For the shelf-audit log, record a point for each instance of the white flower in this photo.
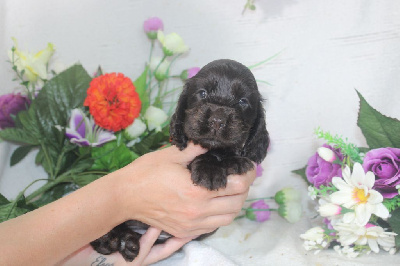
(370, 234)
(346, 250)
(312, 193)
(356, 193)
(326, 154)
(172, 43)
(33, 65)
(155, 117)
(314, 239)
(314, 234)
(135, 129)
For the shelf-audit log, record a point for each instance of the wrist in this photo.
(124, 196)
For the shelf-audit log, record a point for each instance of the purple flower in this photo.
(10, 105)
(84, 132)
(151, 26)
(259, 216)
(320, 172)
(259, 170)
(189, 73)
(384, 163)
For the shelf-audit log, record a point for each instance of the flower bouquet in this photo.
(356, 188)
(86, 126)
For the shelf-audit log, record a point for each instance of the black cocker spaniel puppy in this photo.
(220, 109)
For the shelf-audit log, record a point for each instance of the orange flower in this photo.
(113, 101)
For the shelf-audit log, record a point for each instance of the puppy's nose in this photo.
(217, 123)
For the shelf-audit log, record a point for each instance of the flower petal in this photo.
(340, 184)
(375, 197)
(373, 245)
(381, 211)
(358, 175)
(362, 214)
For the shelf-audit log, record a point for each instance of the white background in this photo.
(327, 50)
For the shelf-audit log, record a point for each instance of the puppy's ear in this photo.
(257, 144)
(176, 131)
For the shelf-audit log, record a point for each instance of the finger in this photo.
(238, 184)
(146, 243)
(226, 204)
(162, 251)
(188, 154)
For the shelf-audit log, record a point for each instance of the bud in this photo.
(155, 117)
(135, 129)
(172, 43)
(326, 154)
(10, 105)
(291, 211)
(151, 27)
(161, 68)
(189, 73)
(259, 216)
(287, 194)
(329, 209)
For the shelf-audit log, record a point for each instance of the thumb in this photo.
(189, 153)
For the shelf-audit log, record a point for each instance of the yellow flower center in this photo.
(359, 195)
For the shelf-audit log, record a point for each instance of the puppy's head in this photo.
(221, 108)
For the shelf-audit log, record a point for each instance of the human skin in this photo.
(155, 189)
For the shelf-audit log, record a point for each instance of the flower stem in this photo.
(264, 61)
(251, 209)
(260, 198)
(20, 195)
(49, 185)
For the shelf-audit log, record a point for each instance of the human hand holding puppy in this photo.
(168, 200)
(155, 189)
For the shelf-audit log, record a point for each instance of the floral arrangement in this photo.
(85, 126)
(356, 189)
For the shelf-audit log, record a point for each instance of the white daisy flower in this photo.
(356, 193)
(370, 234)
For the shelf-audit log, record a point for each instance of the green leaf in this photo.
(51, 108)
(152, 142)
(10, 210)
(111, 156)
(19, 154)
(83, 180)
(3, 200)
(302, 173)
(53, 194)
(379, 130)
(141, 88)
(18, 135)
(394, 222)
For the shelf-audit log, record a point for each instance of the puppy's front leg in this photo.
(210, 170)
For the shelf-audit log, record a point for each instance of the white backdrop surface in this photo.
(327, 50)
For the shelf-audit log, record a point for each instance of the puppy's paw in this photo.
(237, 165)
(120, 238)
(130, 246)
(207, 171)
(107, 244)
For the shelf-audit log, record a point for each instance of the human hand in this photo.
(148, 254)
(157, 189)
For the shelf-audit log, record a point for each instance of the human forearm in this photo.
(48, 234)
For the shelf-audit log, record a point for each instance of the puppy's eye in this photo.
(243, 102)
(202, 94)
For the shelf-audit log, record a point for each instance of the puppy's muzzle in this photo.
(217, 120)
